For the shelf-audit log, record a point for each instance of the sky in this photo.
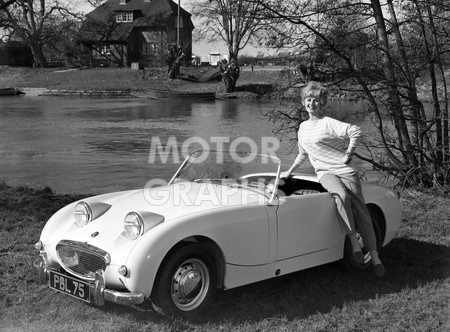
(199, 48)
(206, 48)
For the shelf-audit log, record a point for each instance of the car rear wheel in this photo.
(349, 261)
(186, 282)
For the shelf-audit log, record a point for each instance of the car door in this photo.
(306, 224)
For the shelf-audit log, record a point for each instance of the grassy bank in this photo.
(414, 296)
(257, 82)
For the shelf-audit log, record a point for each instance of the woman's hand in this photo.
(285, 174)
(347, 158)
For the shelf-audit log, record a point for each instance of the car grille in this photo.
(82, 259)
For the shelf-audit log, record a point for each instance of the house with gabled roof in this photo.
(125, 32)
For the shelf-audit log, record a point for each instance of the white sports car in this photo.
(224, 220)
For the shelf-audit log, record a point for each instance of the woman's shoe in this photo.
(379, 269)
(358, 257)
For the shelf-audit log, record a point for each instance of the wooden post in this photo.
(178, 24)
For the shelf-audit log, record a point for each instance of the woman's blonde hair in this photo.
(315, 90)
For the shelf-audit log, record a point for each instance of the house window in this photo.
(124, 17)
(105, 50)
(149, 48)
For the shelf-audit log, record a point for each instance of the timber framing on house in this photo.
(122, 32)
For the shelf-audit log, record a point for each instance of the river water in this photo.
(98, 145)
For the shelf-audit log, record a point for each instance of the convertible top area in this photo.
(290, 185)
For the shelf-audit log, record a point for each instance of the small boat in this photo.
(171, 94)
(10, 92)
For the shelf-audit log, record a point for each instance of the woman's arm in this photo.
(349, 131)
(297, 162)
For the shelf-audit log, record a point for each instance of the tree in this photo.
(173, 59)
(32, 22)
(61, 47)
(398, 49)
(230, 73)
(6, 3)
(236, 22)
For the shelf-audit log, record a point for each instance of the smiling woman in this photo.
(330, 145)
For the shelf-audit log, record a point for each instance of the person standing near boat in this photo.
(324, 140)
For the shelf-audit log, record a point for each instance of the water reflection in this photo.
(15, 111)
(97, 145)
(230, 109)
(103, 144)
(127, 109)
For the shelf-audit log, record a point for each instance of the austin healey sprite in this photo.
(224, 220)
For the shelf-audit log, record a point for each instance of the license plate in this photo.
(70, 286)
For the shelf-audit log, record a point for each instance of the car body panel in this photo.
(306, 224)
(240, 275)
(242, 244)
(389, 204)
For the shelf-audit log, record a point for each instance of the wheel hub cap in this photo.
(190, 284)
(187, 282)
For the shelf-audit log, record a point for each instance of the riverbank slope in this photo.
(255, 83)
(262, 82)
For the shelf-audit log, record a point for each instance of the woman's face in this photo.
(312, 105)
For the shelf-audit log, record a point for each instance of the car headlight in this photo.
(83, 214)
(133, 225)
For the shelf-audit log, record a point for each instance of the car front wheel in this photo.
(186, 282)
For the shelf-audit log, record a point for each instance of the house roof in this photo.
(100, 24)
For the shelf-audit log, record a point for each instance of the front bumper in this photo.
(100, 294)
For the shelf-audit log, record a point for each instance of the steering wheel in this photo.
(255, 179)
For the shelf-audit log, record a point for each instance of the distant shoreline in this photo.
(122, 81)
